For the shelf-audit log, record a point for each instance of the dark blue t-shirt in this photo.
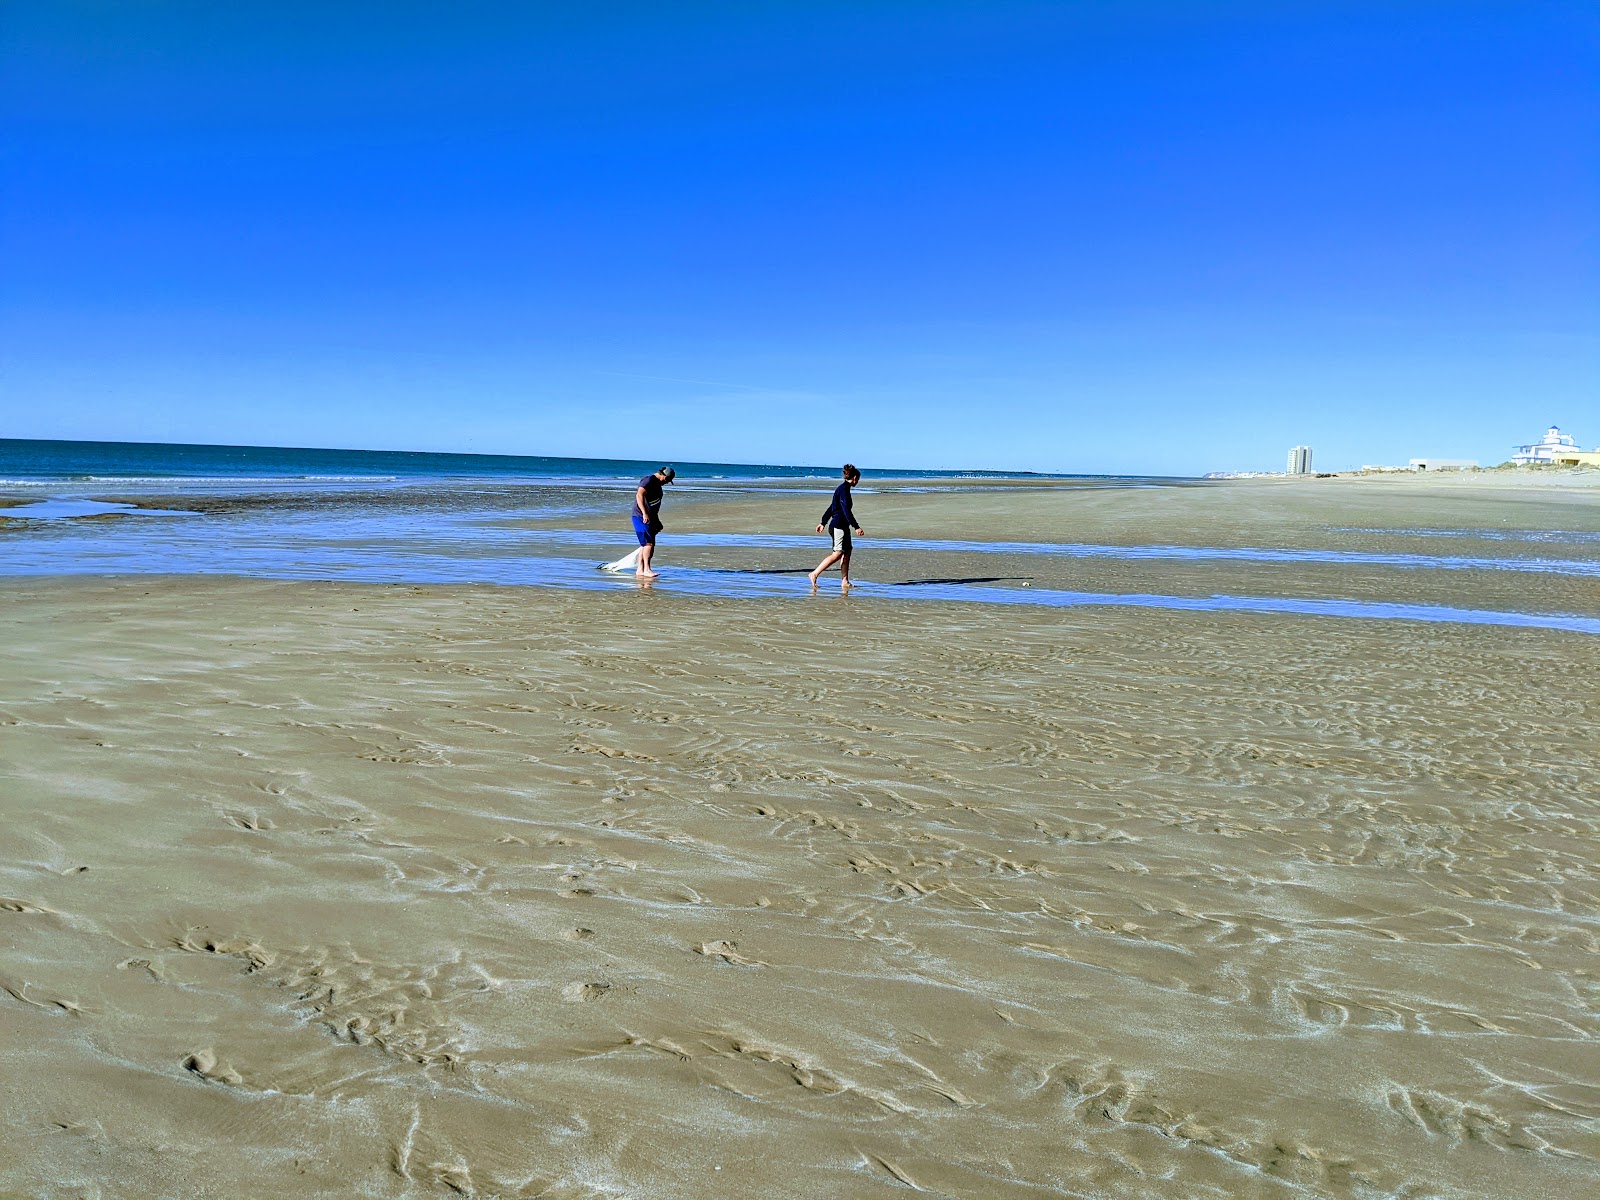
(652, 496)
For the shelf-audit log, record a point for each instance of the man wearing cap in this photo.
(647, 517)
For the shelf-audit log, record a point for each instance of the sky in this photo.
(1122, 237)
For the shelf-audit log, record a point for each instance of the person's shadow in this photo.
(760, 570)
(966, 579)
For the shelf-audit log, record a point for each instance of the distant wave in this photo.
(241, 478)
(181, 480)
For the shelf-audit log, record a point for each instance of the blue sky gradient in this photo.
(1109, 237)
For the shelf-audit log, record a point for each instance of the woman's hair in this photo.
(850, 471)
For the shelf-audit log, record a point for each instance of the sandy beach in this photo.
(330, 889)
(436, 765)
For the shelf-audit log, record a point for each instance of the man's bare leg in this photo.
(645, 554)
(844, 572)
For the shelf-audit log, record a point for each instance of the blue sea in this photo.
(44, 463)
(377, 516)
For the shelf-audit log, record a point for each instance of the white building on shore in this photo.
(1554, 447)
(1444, 464)
(1300, 460)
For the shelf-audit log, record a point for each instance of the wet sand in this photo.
(1500, 519)
(328, 890)
(1277, 512)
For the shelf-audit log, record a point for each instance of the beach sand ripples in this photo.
(397, 891)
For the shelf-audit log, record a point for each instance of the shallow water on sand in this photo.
(354, 544)
(63, 508)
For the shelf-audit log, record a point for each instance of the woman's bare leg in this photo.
(822, 566)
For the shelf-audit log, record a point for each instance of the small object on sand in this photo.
(204, 1063)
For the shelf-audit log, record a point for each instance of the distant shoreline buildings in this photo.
(1443, 464)
(1555, 449)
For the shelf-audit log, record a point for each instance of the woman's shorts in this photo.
(841, 540)
(642, 531)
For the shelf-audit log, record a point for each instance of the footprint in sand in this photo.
(248, 820)
(576, 993)
(727, 953)
(7, 904)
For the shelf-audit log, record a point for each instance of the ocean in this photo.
(33, 463)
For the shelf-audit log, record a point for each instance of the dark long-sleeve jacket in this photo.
(839, 514)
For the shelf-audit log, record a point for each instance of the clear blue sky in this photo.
(1124, 236)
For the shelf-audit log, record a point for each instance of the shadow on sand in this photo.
(968, 579)
(757, 570)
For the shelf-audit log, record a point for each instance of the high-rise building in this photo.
(1300, 460)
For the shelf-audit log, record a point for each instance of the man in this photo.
(839, 518)
(647, 517)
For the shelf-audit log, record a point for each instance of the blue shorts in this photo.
(642, 531)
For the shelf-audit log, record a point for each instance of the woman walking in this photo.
(840, 519)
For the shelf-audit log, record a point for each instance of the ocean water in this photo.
(29, 463)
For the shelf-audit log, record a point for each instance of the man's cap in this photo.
(667, 473)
